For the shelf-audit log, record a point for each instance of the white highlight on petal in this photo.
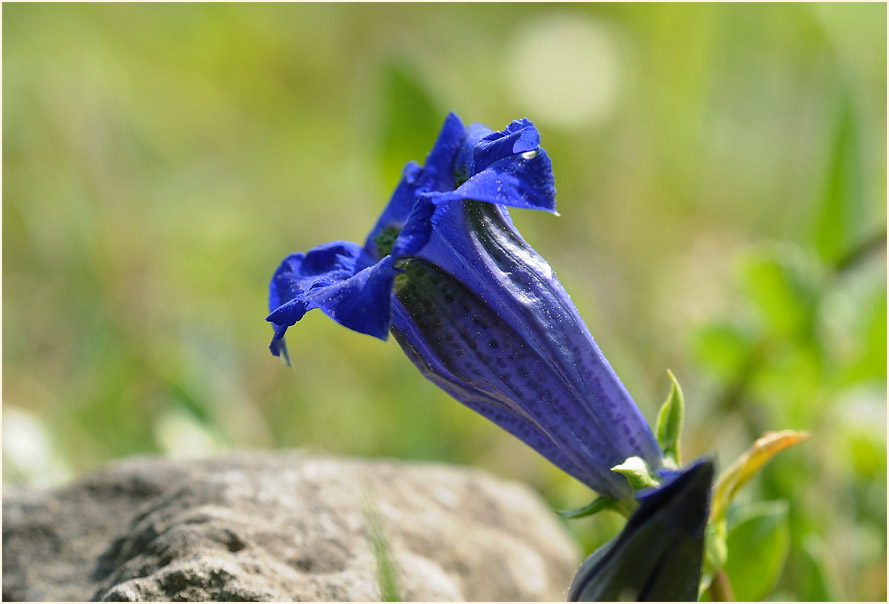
(565, 69)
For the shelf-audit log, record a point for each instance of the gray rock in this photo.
(284, 527)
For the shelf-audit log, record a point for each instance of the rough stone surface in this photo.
(283, 527)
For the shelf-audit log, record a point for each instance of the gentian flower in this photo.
(658, 556)
(475, 308)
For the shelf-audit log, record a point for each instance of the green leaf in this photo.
(758, 545)
(843, 204)
(784, 285)
(868, 361)
(409, 118)
(816, 583)
(724, 347)
(669, 421)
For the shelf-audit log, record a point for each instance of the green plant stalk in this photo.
(387, 575)
(721, 588)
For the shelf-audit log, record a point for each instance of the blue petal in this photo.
(292, 291)
(296, 274)
(522, 181)
(515, 181)
(278, 346)
(330, 260)
(418, 228)
(393, 217)
(436, 175)
(464, 165)
(282, 287)
(362, 302)
(439, 166)
(287, 314)
(519, 137)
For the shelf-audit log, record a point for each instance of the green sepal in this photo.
(669, 422)
(637, 472)
(598, 504)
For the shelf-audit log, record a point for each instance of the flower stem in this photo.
(721, 588)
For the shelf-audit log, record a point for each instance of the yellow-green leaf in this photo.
(748, 465)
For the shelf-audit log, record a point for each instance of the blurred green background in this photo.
(721, 175)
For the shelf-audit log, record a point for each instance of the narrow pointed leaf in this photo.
(844, 199)
(669, 421)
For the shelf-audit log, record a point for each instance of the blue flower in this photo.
(475, 308)
(659, 554)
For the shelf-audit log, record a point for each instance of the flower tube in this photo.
(474, 307)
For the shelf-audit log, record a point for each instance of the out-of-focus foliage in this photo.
(757, 546)
(721, 179)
